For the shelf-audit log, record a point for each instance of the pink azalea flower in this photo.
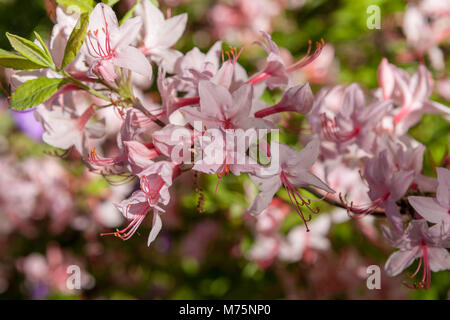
(275, 74)
(135, 209)
(292, 172)
(71, 125)
(265, 250)
(437, 209)
(109, 45)
(174, 142)
(224, 151)
(300, 243)
(159, 34)
(354, 123)
(410, 93)
(139, 155)
(270, 219)
(155, 182)
(418, 241)
(221, 109)
(387, 184)
(195, 66)
(425, 26)
(407, 154)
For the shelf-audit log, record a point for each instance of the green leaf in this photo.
(30, 50)
(34, 92)
(76, 40)
(110, 2)
(80, 6)
(14, 61)
(43, 45)
(130, 13)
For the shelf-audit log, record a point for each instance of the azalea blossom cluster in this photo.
(88, 85)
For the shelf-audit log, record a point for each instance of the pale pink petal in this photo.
(400, 260)
(156, 227)
(306, 157)
(268, 186)
(173, 29)
(303, 178)
(167, 58)
(133, 59)
(215, 100)
(386, 78)
(401, 181)
(443, 190)
(394, 216)
(429, 208)
(100, 16)
(127, 33)
(439, 259)
(242, 101)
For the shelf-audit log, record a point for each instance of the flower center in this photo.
(95, 45)
(152, 190)
(332, 132)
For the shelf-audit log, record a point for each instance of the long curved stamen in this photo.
(95, 160)
(122, 234)
(132, 226)
(103, 50)
(307, 59)
(303, 62)
(233, 55)
(360, 211)
(425, 282)
(220, 175)
(299, 201)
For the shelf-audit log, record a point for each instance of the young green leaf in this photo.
(16, 62)
(30, 50)
(43, 45)
(80, 6)
(34, 92)
(76, 40)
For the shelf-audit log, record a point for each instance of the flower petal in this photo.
(429, 208)
(400, 260)
(439, 259)
(156, 228)
(133, 59)
(443, 190)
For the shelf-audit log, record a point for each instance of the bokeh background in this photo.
(52, 210)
